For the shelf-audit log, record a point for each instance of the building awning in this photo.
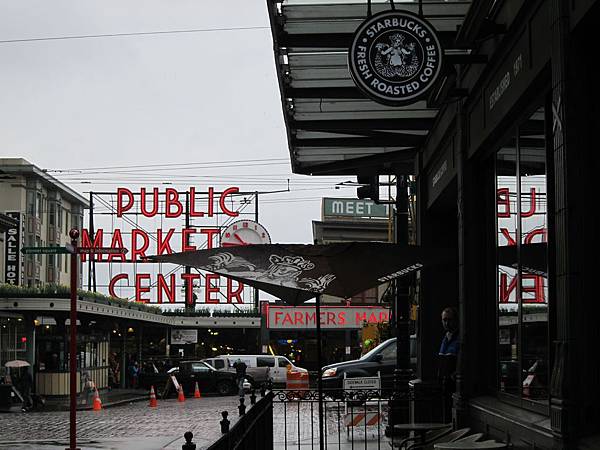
(298, 272)
(332, 128)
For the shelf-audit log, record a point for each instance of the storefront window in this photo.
(522, 294)
(533, 257)
(508, 304)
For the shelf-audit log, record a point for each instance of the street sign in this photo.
(362, 383)
(47, 250)
(105, 250)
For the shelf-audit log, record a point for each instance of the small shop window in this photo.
(66, 221)
(52, 213)
(522, 264)
(219, 364)
(38, 205)
(31, 203)
(197, 367)
(265, 361)
(283, 362)
(389, 352)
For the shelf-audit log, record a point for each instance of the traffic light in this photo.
(370, 188)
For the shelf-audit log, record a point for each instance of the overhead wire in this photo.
(184, 165)
(130, 34)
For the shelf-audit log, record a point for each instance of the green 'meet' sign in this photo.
(349, 207)
(46, 250)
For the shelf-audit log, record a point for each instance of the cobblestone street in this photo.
(129, 426)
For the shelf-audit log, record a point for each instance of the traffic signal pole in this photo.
(74, 234)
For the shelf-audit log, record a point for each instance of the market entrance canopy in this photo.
(298, 272)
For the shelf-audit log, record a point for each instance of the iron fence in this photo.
(353, 419)
(253, 430)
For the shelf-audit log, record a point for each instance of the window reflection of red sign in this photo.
(503, 201)
(532, 285)
(532, 288)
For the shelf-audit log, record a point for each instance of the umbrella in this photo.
(298, 272)
(17, 363)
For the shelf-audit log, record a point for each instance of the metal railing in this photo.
(253, 430)
(353, 419)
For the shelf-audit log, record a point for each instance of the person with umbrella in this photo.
(25, 386)
(22, 382)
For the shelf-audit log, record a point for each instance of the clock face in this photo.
(244, 232)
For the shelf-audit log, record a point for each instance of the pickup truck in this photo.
(381, 359)
(256, 376)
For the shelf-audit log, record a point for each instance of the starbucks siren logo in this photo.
(395, 57)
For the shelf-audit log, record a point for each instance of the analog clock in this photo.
(244, 232)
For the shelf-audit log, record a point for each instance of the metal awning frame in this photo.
(332, 128)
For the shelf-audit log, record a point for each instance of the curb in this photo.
(115, 403)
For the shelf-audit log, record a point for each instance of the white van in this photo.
(277, 365)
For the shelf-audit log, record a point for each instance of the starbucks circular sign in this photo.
(395, 57)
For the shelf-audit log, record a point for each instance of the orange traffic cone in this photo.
(181, 397)
(197, 391)
(97, 402)
(153, 403)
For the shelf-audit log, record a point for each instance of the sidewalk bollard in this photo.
(224, 423)
(242, 407)
(262, 391)
(252, 397)
(189, 445)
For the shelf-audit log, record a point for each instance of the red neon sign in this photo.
(140, 243)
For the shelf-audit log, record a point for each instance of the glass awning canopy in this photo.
(332, 128)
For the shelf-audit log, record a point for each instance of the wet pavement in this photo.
(132, 426)
(135, 426)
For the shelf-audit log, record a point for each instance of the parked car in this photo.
(256, 376)
(187, 374)
(277, 365)
(381, 359)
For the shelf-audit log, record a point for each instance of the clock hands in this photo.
(239, 239)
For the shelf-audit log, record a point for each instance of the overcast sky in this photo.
(190, 97)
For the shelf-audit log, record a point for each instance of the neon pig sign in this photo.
(168, 204)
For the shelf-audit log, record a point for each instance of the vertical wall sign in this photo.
(12, 258)
(395, 57)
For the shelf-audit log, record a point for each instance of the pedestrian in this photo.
(25, 385)
(112, 370)
(89, 387)
(240, 370)
(448, 355)
(134, 375)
